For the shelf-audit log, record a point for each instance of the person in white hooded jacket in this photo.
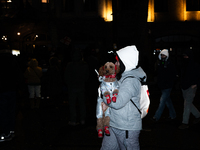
(125, 119)
(166, 76)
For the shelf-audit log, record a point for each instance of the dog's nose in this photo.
(107, 71)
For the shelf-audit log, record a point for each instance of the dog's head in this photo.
(109, 69)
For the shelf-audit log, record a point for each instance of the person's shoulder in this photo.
(129, 79)
(83, 62)
(39, 67)
(130, 83)
(28, 68)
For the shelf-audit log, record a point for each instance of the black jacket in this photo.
(190, 72)
(166, 74)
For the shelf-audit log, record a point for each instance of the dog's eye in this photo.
(111, 66)
(105, 67)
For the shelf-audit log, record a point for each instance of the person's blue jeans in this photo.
(165, 100)
(7, 111)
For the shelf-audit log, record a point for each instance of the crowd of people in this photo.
(38, 80)
(79, 79)
(189, 75)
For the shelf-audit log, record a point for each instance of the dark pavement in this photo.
(48, 129)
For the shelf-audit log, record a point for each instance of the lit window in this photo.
(45, 1)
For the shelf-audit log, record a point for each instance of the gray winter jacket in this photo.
(123, 114)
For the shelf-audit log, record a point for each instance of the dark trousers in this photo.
(7, 111)
(74, 97)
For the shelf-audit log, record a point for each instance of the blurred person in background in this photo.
(190, 77)
(33, 75)
(166, 76)
(76, 75)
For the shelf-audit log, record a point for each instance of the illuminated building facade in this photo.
(151, 24)
(174, 24)
(173, 10)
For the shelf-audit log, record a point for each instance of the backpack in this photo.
(144, 98)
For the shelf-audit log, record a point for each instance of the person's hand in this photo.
(104, 106)
(193, 86)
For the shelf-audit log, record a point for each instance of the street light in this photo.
(4, 38)
(18, 33)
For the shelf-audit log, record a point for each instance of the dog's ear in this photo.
(101, 71)
(117, 69)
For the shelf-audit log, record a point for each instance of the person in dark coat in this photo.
(190, 77)
(166, 75)
(11, 79)
(76, 75)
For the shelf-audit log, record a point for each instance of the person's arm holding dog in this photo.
(128, 89)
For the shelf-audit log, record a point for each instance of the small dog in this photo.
(109, 88)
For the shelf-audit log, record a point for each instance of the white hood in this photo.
(129, 56)
(164, 52)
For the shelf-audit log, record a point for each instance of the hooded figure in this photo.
(166, 75)
(165, 70)
(125, 119)
(164, 52)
